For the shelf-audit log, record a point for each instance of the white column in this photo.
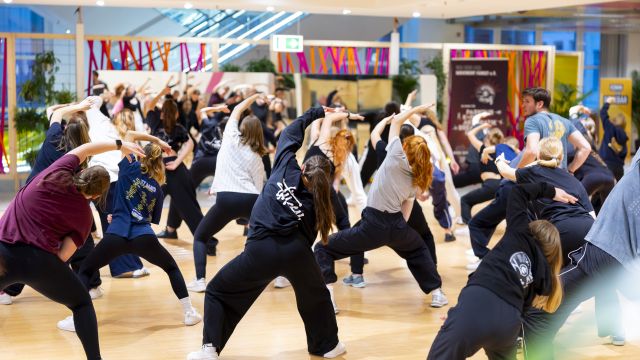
(80, 85)
(394, 54)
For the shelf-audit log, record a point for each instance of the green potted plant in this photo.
(565, 96)
(260, 65)
(230, 68)
(407, 79)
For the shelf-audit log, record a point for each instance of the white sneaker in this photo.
(438, 299)
(281, 282)
(192, 317)
(459, 220)
(473, 266)
(5, 299)
(469, 252)
(67, 324)
(207, 352)
(337, 351)
(197, 285)
(140, 273)
(96, 293)
(462, 231)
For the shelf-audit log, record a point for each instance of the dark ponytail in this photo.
(317, 172)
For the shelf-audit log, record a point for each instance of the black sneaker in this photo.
(449, 237)
(211, 246)
(166, 234)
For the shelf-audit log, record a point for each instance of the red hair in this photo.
(341, 145)
(419, 157)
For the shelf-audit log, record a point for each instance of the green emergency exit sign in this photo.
(287, 43)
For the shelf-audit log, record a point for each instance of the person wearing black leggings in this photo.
(521, 270)
(240, 160)
(295, 204)
(179, 183)
(203, 166)
(138, 202)
(405, 171)
(44, 225)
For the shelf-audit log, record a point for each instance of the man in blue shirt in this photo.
(541, 123)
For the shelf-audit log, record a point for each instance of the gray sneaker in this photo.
(357, 281)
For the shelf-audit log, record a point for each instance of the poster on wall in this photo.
(621, 91)
(476, 86)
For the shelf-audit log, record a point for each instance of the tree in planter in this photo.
(407, 79)
(40, 87)
(564, 97)
(260, 65)
(230, 68)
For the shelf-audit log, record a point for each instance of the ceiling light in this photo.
(416, 14)
(8, 1)
(68, 31)
(270, 8)
(188, 5)
(100, 3)
(346, 12)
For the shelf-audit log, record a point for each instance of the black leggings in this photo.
(598, 183)
(616, 169)
(470, 176)
(377, 229)
(75, 261)
(146, 246)
(369, 165)
(183, 194)
(238, 284)
(200, 170)
(228, 207)
(51, 277)
(418, 222)
(572, 231)
(485, 193)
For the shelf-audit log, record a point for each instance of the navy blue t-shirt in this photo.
(137, 202)
(49, 151)
(549, 209)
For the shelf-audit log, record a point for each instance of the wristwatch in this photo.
(118, 144)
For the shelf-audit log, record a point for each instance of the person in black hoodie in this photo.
(614, 141)
(521, 270)
(293, 207)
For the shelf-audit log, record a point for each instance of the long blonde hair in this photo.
(548, 238)
(494, 136)
(419, 158)
(152, 163)
(124, 121)
(550, 152)
(341, 145)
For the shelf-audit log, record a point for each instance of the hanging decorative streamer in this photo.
(149, 46)
(4, 103)
(93, 65)
(164, 55)
(106, 53)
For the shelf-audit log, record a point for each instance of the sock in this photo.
(186, 304)
(209, 346)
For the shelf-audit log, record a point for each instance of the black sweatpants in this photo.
(369, 166)
(480, 320)
(616, 169)
(470, 176)
(572, 231)
(229, 206)
(51, 277)
(200, 170)
(146, 246)
(418, 222)
(484, 223)
(485, 193)
(438, 192)
(238, 284)
(182, 190)
(377, 229)
(75, 261)
(592, 272)
(341, 213)
(598, 183)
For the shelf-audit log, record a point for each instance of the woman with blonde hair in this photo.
(521, 270)
(404, 174)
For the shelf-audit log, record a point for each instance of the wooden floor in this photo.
(389, 319)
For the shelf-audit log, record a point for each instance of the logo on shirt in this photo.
(286, 195)
(522, 265)
(556, 129)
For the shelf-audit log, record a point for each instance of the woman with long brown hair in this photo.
(405, 173)
(294, 206)
(242, 177)
(137, 204)
(522, 270)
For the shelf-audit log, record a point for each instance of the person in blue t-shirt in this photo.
(541, 123)
(137, 204)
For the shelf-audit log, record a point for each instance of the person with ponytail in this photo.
(405, 173)
(237, 188)
(522, 270)
(137, 204)
(572, 220)
(46, 222)
(292, 209)
(67, 130)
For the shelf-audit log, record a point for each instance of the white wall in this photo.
(633, 53)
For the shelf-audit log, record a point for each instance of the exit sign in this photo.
(287, 43)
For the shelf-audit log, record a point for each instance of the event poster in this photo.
(621, 90)
(476, 86)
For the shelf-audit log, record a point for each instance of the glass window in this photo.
(563, 40)
(518, 37)
(592, 69)
(481, 36)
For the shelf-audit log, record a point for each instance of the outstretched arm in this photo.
(376, 133)
(89, 149)
(399, 119)
(472, 135)
(60, 112)
(517, 207)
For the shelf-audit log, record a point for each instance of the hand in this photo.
(563, 197)
(610, 100)
(85, 104)
(109, 218)
(165, 91)
(422, 108)
(455, 168)
(131, 148)
(412, 95)
(485, 126)
(388, 118)
(222, 108)
(165, 147)
(501, 159)
(356, 117)
(328, 109)
(172, 165)
(485, 157)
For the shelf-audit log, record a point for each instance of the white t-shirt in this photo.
(101, 129)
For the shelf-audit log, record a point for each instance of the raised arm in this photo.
(292, 136)
(60, 112)
(444, 141)
(52, 109)
(471, 135)
(399, 119)
(140, 89)
(376, 133)
(325, 126)
(94, 148)
(133, 136)
(505, 170)
(604, 114)
(517, 206)
(205, 111)
(530, 151)
(410, 98)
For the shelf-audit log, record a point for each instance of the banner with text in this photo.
(476, 86)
